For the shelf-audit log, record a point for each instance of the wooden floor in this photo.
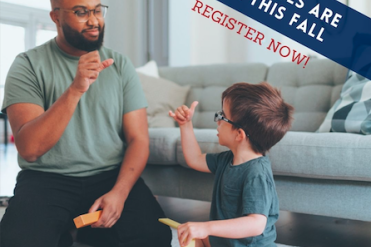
(292, 229)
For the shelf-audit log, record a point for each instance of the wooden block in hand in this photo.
(169, 222)
(87, 219)
(175, 225)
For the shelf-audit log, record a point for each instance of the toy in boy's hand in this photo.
(175, 225)
(87, 219)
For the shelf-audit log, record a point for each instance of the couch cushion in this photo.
(162, 95)
(352, 111)
(208, 82)
(162, 146)
(338, 156)
(312, 91)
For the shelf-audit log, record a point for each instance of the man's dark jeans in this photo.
(44, 204)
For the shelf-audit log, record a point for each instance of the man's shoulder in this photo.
(39, 50)
(122, 63)
(30, 57)
(35, 56)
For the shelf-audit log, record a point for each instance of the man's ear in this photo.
(54, 17)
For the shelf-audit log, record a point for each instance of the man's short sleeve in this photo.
(257, 196)
(134, 97)
(21, 85)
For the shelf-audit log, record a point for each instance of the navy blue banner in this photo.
(326, 26)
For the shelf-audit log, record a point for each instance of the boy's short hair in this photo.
(261, 112)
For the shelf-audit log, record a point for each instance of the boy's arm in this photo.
(191, 150)
(242, 227)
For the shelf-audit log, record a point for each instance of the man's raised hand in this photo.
(88, 70)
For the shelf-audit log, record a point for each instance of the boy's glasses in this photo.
(219, 116)
(83, 14)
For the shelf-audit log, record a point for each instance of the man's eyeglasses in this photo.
(219, 116)
(83, 14)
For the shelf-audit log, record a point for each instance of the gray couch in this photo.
(316, 173)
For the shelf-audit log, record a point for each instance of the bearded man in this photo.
(78, 115)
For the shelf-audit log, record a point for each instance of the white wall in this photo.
(126, 29)
(180, 33)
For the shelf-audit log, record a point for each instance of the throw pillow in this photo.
(149, 68)
(352, 111)
(162, 95)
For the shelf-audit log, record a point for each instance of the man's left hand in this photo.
(112, 205)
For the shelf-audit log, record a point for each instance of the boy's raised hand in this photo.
(183, 114)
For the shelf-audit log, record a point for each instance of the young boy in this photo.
(244, 205)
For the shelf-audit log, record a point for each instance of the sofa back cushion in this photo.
(311, 90)
(207, 84)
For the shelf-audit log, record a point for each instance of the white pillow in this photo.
(149, 68)
(162, 95)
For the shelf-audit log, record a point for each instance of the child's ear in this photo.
(241, 135)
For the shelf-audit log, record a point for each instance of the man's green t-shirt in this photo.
(240, 190)
(93, 140)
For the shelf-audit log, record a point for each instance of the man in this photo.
(78, 116)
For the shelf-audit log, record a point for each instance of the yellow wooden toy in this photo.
(175, 225)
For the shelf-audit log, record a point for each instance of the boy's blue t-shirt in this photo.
(241, 190)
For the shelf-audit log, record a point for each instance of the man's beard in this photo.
(78, 41)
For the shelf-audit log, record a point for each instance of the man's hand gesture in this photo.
(88, 71)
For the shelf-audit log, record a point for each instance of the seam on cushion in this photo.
(307, 175)
(305, 145)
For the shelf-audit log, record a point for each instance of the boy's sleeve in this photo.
(257, 196)
(212, 161)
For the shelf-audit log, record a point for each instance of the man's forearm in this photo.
(134, 162)
(39, 135)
